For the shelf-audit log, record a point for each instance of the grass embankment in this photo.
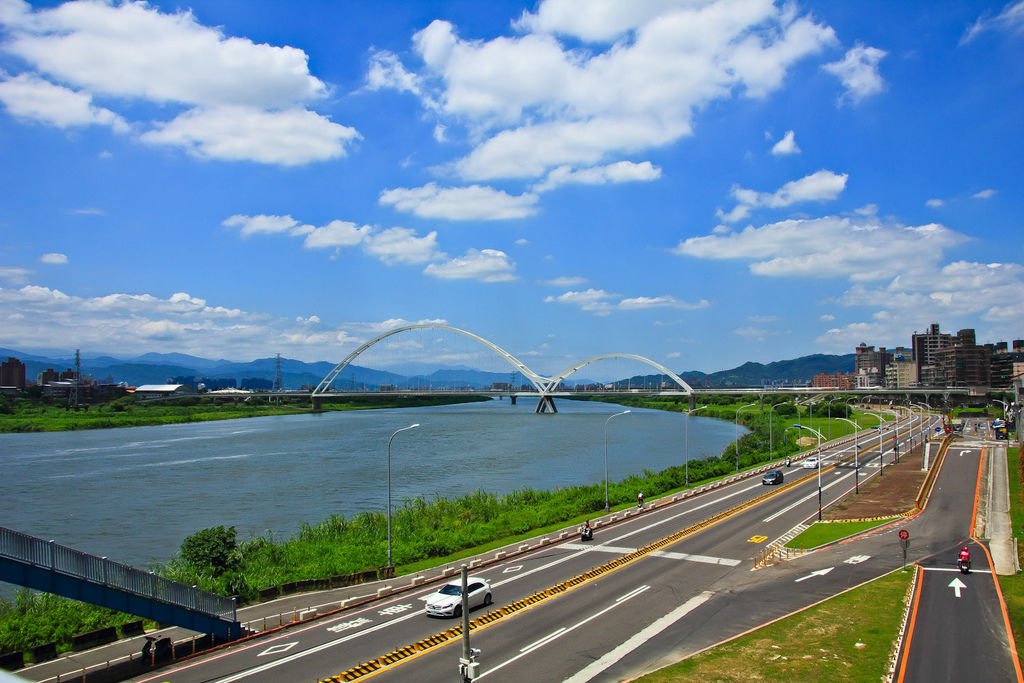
(846, 638)
(825, 532)
(25, 415)
(1013, 586)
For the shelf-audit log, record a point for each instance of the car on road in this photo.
(447, 600)
(810, 463)
(772, 477)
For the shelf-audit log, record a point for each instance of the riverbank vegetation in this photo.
(438, 530)
(40, 415)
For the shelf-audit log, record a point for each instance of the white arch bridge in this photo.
(546, 388)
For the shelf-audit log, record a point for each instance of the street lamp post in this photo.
(412, 426)
(737, 431)
(818, 434)
(771, 443)
(881, 461)
(686, 444)
(924, 421)
(856, 454)
(607, 505)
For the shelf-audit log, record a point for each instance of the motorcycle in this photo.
(586, 533)
(963, 565)
(157, 649)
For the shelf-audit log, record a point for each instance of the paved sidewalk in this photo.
(998, 528)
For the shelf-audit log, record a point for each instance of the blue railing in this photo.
(99, 570)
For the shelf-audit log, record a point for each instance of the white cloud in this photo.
(935, 203)
(475, 202)
(14, 275)
(578, 89)
(984, 194)
(336, 235)
(401, 245)
(602, 303)
(287, 138)
(386, 71)
(859, 249)
(122, 323)
(484, 265)
(565, 281)
(787, 145)
(261, 224)
(821, 186)
(858, 72)
(30, 97)
(619, 172)
(1010, 20)
(243, 101)
(54, 259)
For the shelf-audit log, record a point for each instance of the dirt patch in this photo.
(890, 494)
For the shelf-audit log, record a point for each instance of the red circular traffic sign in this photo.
(904, 534)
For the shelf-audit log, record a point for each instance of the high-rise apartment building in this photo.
(925, 346)
(12, 373)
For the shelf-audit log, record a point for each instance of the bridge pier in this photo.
(513, 396)
(546, 404)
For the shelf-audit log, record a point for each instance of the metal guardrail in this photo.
(99, 570)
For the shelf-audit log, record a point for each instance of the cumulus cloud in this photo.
(402, 245)
(858, 72)
(242, 100)
(787, 145)
(821, 186)
(484, 265)
(984, 194)
(261, 224)
(584, 89)
(14, 275)
(473, 203)
(602, 303)
(619, 172)
(29, 97)
(54, 259)
(135, 323)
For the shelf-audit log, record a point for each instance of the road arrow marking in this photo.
(956, 584)
(820, 572)
(962, 453)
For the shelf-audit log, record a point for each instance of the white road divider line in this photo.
(561, 632)
(604, 663)
(706, 559)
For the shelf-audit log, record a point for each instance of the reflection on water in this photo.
(134, 494)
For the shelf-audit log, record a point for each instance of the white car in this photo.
(810, 463)
(447, 601)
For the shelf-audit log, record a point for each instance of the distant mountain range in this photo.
(160, 368)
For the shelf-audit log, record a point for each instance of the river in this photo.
(133, 494)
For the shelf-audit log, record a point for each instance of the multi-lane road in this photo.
(632, 617)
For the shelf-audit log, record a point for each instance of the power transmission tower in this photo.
(277, 374)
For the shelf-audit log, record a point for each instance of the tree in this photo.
(215, 549)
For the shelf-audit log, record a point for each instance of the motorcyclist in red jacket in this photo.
(965, 557)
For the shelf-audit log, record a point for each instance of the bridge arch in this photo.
(553, 382)
(538, 381)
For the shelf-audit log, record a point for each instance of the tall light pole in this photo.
(881, 461)
(738, 433)
(412, 426)
(818, 434)
(686, 444)
(771, 443)
(607, 505)
(856, 454)
(925, 422)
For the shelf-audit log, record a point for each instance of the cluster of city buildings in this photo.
(934, 359)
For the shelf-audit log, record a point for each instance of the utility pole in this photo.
(78, 378)
(469, 668)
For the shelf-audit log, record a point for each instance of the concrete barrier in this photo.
(43, 653)
(12, 661)
(85, 641)
(524, 547)
(383, 590)
(132, 628)
(500, 555)
(307, 614)
(417, 580)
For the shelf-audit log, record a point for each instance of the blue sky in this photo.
(702, 183)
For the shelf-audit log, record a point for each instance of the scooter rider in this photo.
(586, 531)
(965, 557)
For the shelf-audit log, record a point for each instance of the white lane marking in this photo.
(278, 649)
(706, 559)
(950, 569)
(806, 498)
(561, 632)
(857, 559)
(599, 666)
(820, 572)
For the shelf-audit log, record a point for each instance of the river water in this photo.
(133, 494)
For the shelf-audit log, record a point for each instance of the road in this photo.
(693, 592)
(956, 629)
